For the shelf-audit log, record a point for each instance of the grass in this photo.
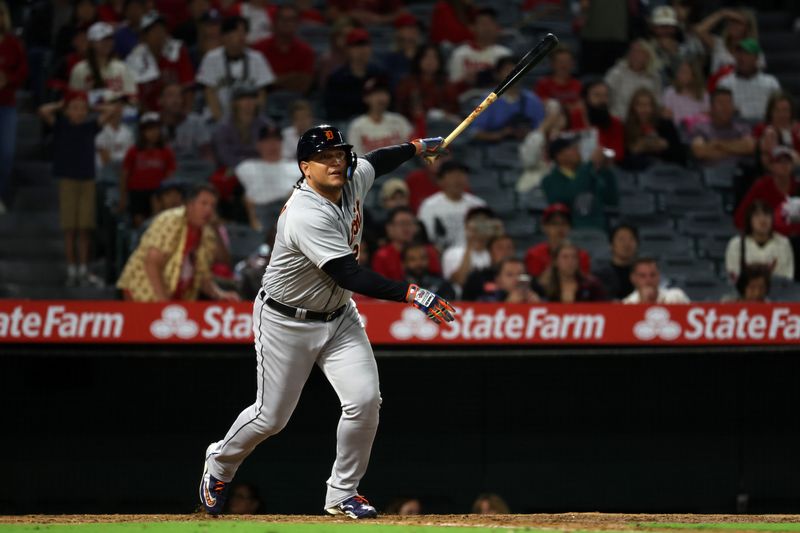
(755, 526)
(239, 527)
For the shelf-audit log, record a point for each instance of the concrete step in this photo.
(12, 247)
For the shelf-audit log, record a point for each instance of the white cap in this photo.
(664, 16)
(99, 31)
(150, 18)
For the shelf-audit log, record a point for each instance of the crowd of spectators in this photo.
(132, 90)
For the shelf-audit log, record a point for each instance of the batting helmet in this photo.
(325, 137)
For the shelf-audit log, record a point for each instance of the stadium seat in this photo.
(243, 241)
(651, 221)
(705, 289)
(706, 224)
(194, 170)
(661, 245)
(636, 203)
(686, 267)
(669, 178)
(42, 248)
(26, 272)
(504, 155)
(713, 247)
(687, 200)
(520, 226)
(719, 176)
(502, 201)
(626, 181)
(533, 201)
(35, 225)
(36, 199)
(784, 290)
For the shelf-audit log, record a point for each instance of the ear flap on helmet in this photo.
(352, 163)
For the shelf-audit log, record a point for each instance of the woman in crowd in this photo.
(738, 24)
(427, 87)
(564, 282)
(634, 71)
(761, 245)
(101, 74)
(780, 127)
(687, 96)
(649, 137)
(533, 149)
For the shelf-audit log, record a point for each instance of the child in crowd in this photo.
(74, 132)
(112, 143)
(145, 166)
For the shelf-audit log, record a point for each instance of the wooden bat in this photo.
(530, 60)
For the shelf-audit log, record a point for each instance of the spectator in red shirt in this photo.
(423, 183)
(774, 189)
(158, 60)
(291, 59)
(451, 21)
(111, 11)
(402, 229)
(146, 165)
(13, 72)
(365, 12)
(594, 113)
(560, 84)
(427, 88)
(556, 225)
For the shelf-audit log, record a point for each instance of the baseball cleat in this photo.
(355, 507)
(213, 492)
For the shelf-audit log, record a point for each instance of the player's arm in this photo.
(385, 160)
(349, 275)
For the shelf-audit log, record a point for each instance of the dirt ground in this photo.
(562, 522)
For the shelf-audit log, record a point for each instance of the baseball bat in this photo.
(530, 60)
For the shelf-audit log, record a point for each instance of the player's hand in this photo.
(434, 306)
(430, 147)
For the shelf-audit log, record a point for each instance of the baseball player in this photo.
(304, 315)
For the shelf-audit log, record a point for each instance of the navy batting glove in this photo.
(434, 306)
(430, 146)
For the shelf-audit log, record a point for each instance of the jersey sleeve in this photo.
(364, 177)
(316, 235)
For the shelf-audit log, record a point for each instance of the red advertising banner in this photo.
(24, 321)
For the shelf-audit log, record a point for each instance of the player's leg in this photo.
(349, 365)
(285, 354)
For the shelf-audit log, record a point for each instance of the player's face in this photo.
(326, 170)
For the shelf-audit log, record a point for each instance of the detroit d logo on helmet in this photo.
(329, 135)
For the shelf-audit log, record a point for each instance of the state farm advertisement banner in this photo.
(397, 324)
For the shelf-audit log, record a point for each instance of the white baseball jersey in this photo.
(467, 59)
(216, 70)
(311, 231)
(367, 135)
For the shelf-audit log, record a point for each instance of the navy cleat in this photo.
(355, 507)
(213, 492)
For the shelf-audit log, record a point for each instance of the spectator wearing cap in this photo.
(587, 187)
(513, 115)
(112, 11)
(470, 59)
(451, 22)
(751, 88)
(774, 189)
(615, 274)
(636, 70)
(291, 59)
(344, 97)
(232, 64)
(74, 131)
(149, 162)
(365, 12)
(111, 145)
(406, 43)
(301, 118)
(723, 141)
(173, 259)
(158, 59)
(209, 36)
(556, 226)
(560, 84)
(667, 44)
(459, 260)
(443, 212)
(13, 72)
(759, 244)
(189, 30)
(563, 281)
(402, 230)
(186, 132)
(482, 281)
(650, 138)
(101, 74)
(594, 114)
(378, 126)
(426, 91)
(126, 35)
(647, 289)
(267, 180)
(511, 284)
(417, 269)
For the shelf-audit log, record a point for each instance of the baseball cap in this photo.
(664, 16)
(782, 150)
(232, 23)
(478, 210)
(449, 166)
(357, 36)
(151, 117)
(149, 19)
(749, 45)
(375, 84)
(405, 19)
(557, 209)
(99, 31)
(269, 131)
(392, 187)
(565, 140)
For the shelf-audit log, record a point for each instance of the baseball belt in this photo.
(301, 314)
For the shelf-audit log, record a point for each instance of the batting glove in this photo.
(434, 306)
(430, 146)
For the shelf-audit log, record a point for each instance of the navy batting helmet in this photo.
(325, 137)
